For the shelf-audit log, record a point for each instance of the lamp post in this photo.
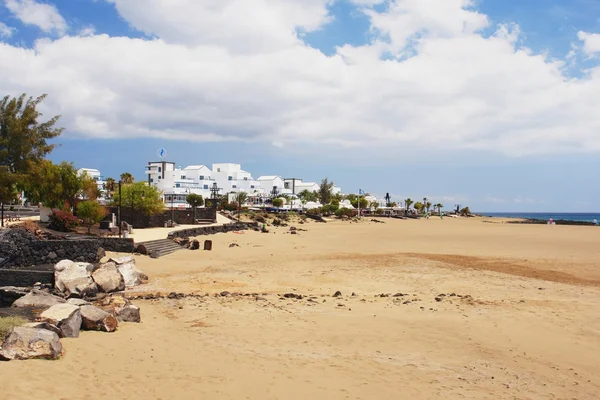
(119, 210)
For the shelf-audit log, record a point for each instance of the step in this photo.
(162, 246)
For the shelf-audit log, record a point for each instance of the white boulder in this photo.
(38, 299)
(74, 278)
(108, 278)
(24, 343)
(66, 317)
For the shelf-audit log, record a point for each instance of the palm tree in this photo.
(424, 202)
(428, 206)
(439, 206)
(126, 177)
(407, 203)
(110, 187)
(241, 198)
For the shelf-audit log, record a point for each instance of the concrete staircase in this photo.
(158, 248)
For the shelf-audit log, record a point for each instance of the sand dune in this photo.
(524, 322)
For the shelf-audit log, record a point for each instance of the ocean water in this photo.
(585, 217)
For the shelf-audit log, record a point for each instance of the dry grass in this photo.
(6, 323)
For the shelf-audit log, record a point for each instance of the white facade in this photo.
(273, 184)
(95, 175)
(232, 178)
(176, 183)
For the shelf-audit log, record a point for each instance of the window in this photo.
(234, 186)
(245, 178)
(159, 169)
(177, 185)
(201, 177)
(182, 176)
(151, 180)
(230, 178)
(251, 186)
(218, 169)
(205, 187)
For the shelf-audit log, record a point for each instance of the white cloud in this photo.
(5, 30)
(240, 26)
(87, 31)
(237, 70)
(591, 42)
(45, 16)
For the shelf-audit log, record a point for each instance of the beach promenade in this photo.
(427, 309)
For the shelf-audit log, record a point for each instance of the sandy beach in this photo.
(430, 309)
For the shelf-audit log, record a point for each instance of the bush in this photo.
(63, 221)
(91, 212)
(329, 209)
(277, 203)
(230, 207)
(344, 212)
(313, 211)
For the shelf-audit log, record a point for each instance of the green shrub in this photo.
(344, 212)
(62, 221)
(277, 203)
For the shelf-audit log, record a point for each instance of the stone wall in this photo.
(211, 230)
(25, 277)
(51, 251)
(181, 217)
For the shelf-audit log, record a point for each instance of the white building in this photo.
(232, 178)
(273, 185)
(176, 183)
(95, 175)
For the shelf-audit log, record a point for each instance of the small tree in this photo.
(195, 201)
(89, 187)
(325, 191)
(23, 139)
(91, 212)
(418, 206)
(8, 191)
(278, 202)
(306, 196)
(140, 196)
(241, 198)
(55, 186)
(465, 211)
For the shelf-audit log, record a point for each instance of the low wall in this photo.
(211, 230)
(181, 216)
(51, 251)
(25, 277)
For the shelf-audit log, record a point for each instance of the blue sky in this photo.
(490, 104)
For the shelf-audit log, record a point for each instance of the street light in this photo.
(119, 210)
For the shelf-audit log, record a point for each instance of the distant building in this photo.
(177, 183)
(97, 176)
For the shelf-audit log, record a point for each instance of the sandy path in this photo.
(515, 337)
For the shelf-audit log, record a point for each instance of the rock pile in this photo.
(65, 311)
(78, 279)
